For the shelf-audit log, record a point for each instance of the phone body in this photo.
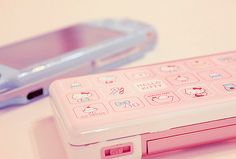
(146, 111)
(28, 67)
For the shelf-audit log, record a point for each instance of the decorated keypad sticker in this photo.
(229, 87)
(150, 85)
(126, 104)
(139, 74)
(226, 59)
(161, 98)
(77, 84)
(170, 68)
(200, 63)
(181, 79)
(196, 91)
(82, 96)
(107, 79)
(91, 110)
(114, 91)
(117, 91)
(214, 74)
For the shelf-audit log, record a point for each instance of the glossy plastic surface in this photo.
(146, 99)
(120, 40)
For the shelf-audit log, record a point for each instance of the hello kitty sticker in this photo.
(181, 79)
(139, 74)
(93, 110)
(196, 92)
(126, 104)
(200, 63)
(226, 59)
(110, 79)
(169, 68)
(161, 98)
(83, 96)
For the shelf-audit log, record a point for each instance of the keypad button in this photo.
(202, 63)
(137, 74)
(230, 87)
(108, 79)
(126, 104)
(225, 87)
(195, 92)
(77, 84)
(171, 68)
(150, 85)
(82, 96)
(226, 59)
(91, 110)
(181, 79)
(215, 74)
(116, 91)
(161, 98)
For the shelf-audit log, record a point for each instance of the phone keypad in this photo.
(158, 86)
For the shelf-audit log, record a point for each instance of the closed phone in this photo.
(146, 111)
(28, 67)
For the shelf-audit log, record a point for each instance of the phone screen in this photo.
(29, 52)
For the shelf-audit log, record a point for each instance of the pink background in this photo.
(186, 28)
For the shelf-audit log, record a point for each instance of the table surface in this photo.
(186, 28)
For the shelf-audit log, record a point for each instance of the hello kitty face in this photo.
(107, 79)
(82, 96)
(196, 92)
(169, 68)
(89, 110)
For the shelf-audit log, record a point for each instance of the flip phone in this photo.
(145, 111)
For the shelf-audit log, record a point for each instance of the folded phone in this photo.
(145, 111)
(28, 67)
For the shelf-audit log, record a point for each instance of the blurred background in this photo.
(185, 28)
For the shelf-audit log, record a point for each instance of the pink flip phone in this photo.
(145, 111)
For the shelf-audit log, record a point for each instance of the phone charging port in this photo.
(35, 94)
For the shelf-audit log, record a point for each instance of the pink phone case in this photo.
(145, 111)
